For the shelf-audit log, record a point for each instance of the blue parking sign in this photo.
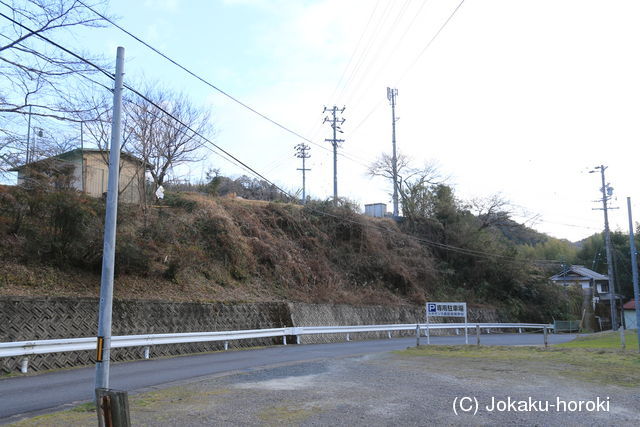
(431, 308)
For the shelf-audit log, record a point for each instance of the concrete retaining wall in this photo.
(23, 318)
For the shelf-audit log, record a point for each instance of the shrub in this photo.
(176, 200)
(131, 258)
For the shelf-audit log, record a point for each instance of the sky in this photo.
(512, 97)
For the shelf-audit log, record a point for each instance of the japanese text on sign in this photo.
(446, 309)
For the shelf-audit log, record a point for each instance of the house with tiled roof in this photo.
(595, 291)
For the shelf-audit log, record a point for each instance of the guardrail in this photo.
(28, 348)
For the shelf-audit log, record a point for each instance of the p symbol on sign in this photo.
(431, 308)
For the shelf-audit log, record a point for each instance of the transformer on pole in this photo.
(334, 121)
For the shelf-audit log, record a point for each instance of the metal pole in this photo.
(335, 159)
(466, 326)
(28, 136)
(634, 270)
(82, 154)
(623, 343)
(304, 192)
(546, 342)
(478, 335)
(391, 94)
(428, 327)
(108, 256)
(302, 154)
(607, 237)
(417, 335)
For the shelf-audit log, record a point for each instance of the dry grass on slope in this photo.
(197, 248)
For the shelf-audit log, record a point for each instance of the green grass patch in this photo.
(593, 365)
(603, 340)
(85, 407)
(287, 415)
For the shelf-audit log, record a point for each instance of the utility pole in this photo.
(607, 191)
(26, 162)
(335, 122)
(82, 154)
(634, 270)
(302, 152)
(103, 352)
(391, 95)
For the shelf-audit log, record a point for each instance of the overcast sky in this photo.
(513, 97)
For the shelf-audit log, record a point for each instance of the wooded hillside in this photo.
(194, 247)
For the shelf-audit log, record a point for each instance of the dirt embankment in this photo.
(197, 248)
(193, 247)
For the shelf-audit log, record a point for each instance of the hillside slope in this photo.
(200, 248)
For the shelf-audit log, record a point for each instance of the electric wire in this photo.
(443, 246)
(416, 15)
(406, 71)
(142, 96)
(201, 79)
(341, 153)
(384, 40)
(404, 74)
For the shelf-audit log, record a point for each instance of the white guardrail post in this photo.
(27, 348)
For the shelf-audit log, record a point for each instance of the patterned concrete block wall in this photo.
(24, 319)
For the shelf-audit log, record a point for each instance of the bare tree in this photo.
(35, 76)
(494, 210)
(94, 110)
(412, 181)
(32, 68)
(163, 140)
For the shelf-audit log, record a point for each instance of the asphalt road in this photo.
(32, 395)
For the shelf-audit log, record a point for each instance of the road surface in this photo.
(27, 396)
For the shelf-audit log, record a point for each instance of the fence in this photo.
(27, 348)
(566, 325)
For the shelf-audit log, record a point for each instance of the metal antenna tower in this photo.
(335, 122)
(391, 95)
(302, 152)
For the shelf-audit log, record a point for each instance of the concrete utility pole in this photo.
(391, 95)
(634, 270)
(335, 122)
(607, 191)
(26, 162)
(103, 353)
(303, 153)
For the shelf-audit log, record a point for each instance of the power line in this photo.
(432, 40)
(302, 152)
(404, 74)
(193, 74)
(142, 96)
(469, 252)
(373, 37)
(203, 80)
(344, 72)
(335, 122)
(384, 40)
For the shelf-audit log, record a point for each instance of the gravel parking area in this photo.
(381, 389)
